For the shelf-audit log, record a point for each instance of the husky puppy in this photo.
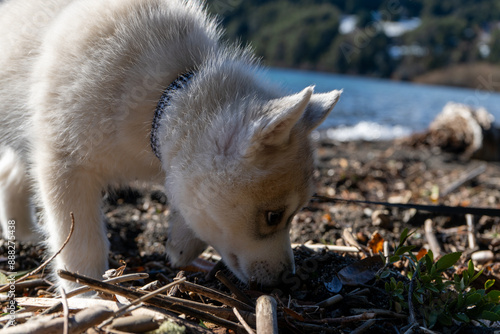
(96, 93)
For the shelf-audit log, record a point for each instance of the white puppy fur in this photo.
(79, 84)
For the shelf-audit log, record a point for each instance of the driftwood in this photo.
(465, 130)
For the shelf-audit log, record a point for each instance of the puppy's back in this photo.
(23, 24)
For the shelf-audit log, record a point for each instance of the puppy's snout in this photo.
(270, 274)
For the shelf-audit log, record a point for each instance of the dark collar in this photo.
(181, 82)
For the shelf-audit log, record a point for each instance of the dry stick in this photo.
(243, 322)
(79, 323)
(83, 289)
(134, 324)
(233, 288)
(431, 238)
(411, 329)
(467, 176)
(43, 265)
(66, 311)
(412, 319)
(380, 312)
(364, 327)
(345, 320)
(31, 284)
(114, 280)
(215, 295)
(122, 310)
(334, 248)
(267, 315)
(190, 326)
(194, 309)
(470, 231)
(330, 301)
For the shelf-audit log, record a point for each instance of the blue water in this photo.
(384, 107)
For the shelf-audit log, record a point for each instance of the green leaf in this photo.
(466, 276)
(494, 296)
(488, 315)
(433, 317)
(470, 268)
(430, 256)
(472, 299)
(489, 283)
(404, 249)
(448, 261)
(394, 258)
(476, 276)
(403, 237)
(419, 297)
(460, 300)
(432, 288)
(385, 274)
(462, 317)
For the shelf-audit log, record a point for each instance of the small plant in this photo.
(436, 298)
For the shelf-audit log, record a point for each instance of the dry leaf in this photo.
(361, 272)
(376, 243)
(421, 253)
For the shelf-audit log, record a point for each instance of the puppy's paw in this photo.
(182, 244)
(183, 252)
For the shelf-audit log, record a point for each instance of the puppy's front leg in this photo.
(63, 189)
(182, 245)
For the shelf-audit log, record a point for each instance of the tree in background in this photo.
(305, 33)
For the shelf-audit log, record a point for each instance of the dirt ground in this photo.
(392, 171)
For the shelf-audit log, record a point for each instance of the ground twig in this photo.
(43, 265)
(144, 298)
(197, 310)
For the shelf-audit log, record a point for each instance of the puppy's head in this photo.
(242, 198)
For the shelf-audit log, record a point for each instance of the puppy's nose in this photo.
(270, 274)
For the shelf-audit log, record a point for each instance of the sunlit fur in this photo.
(79, 83)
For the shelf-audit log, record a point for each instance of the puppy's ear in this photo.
(282, 115)
(318, 109)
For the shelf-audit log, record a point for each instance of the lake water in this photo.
(374, 109)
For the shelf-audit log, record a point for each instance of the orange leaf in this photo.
(293, 314)
(326, 217)
(421, 253)
(376, 243)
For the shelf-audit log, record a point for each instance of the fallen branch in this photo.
(83, 289)
(243, 322)
(31, 284)
(177, 305)
(466, 177)
(345, 320)
(144, 298)
(364, 327)
(233, 288)
(82, 321)
(64, 302)
(215, 295)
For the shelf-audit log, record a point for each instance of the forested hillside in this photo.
(401, 39)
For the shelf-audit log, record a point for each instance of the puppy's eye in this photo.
(273, 218)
